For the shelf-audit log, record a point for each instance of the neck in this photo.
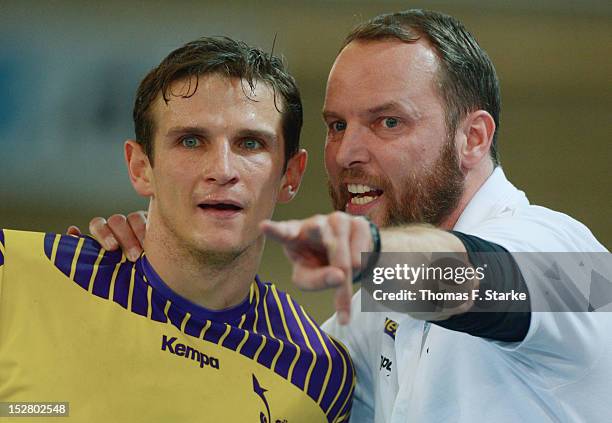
(210, 279)
(474, 179)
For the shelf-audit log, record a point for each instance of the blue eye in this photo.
(190, 142)
(390, 122)
(338, 126)
(251, 144)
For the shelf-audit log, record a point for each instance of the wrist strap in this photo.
(374, 255)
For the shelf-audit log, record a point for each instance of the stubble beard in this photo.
(428, 196)
(183, 248)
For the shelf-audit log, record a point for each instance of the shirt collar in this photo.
(197, 311)
(495, 197)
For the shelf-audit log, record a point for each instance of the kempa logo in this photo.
(182, 350)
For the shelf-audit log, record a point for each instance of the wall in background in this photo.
(68, 73)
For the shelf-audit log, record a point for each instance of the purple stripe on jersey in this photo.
(122, 284)
(269, 351)
(249, 319)
(65, 253)
(101, 284)
(285, 359)
(298, 377)
(84, 268)
(48, 243)
(262, 318)
(158, 304)
(250, 346)
(335, 378)
(139, 296)
(301, 368)
(176, 315)
(2, 242)
(215, 332)
(274, 317)
(292, 323)
(320, 369)
(194, 327)
(346, 390)
(87, 258)
(345, 410)
(233, 339)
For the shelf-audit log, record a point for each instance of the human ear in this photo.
(139, 168)
(292, 178)
(477, 130)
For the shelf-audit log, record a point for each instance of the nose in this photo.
(351, 149)
(221, 169)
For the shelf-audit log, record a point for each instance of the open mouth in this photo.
(221, 207)
(363, 194)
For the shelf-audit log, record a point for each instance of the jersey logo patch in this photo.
(260, 391)
(182, 350)
(391, 327)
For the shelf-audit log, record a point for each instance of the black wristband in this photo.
(374, 254)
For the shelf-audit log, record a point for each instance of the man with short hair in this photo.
(412, 110)
(187, 332)
(415, 143)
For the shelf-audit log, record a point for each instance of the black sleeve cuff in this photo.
(502, 274)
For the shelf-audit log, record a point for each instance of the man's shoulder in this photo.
(323, 361)
(537, 228)
(282, 307)
(63, 251)
(289, 320)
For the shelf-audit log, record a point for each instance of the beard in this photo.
(426, 196)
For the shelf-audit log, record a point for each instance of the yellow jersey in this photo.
(82, 325)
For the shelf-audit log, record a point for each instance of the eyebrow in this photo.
(242, 133)
(382, 108)
(393, 106)
(179, 130)
(329, 115)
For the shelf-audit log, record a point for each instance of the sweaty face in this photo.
(218, 160)
(387, 153)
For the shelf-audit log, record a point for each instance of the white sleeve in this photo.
(559, 346)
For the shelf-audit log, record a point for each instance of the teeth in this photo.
(362, 200)
(358, 188)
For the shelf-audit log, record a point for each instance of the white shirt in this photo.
(561, 371)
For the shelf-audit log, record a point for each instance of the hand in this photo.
(324, 251)
(118, 231)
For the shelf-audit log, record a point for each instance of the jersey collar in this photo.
(198, 312)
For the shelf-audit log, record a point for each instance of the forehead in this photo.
(218, 102)
(383, 70)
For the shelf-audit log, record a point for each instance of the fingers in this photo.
(138, 222)
(102, 233)
(361, 241)
(324, 250)
(342, 303)
(73, 230)
(125, 236)
(280, 231)
(317, 278)
(119, 232)
(340, 257)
